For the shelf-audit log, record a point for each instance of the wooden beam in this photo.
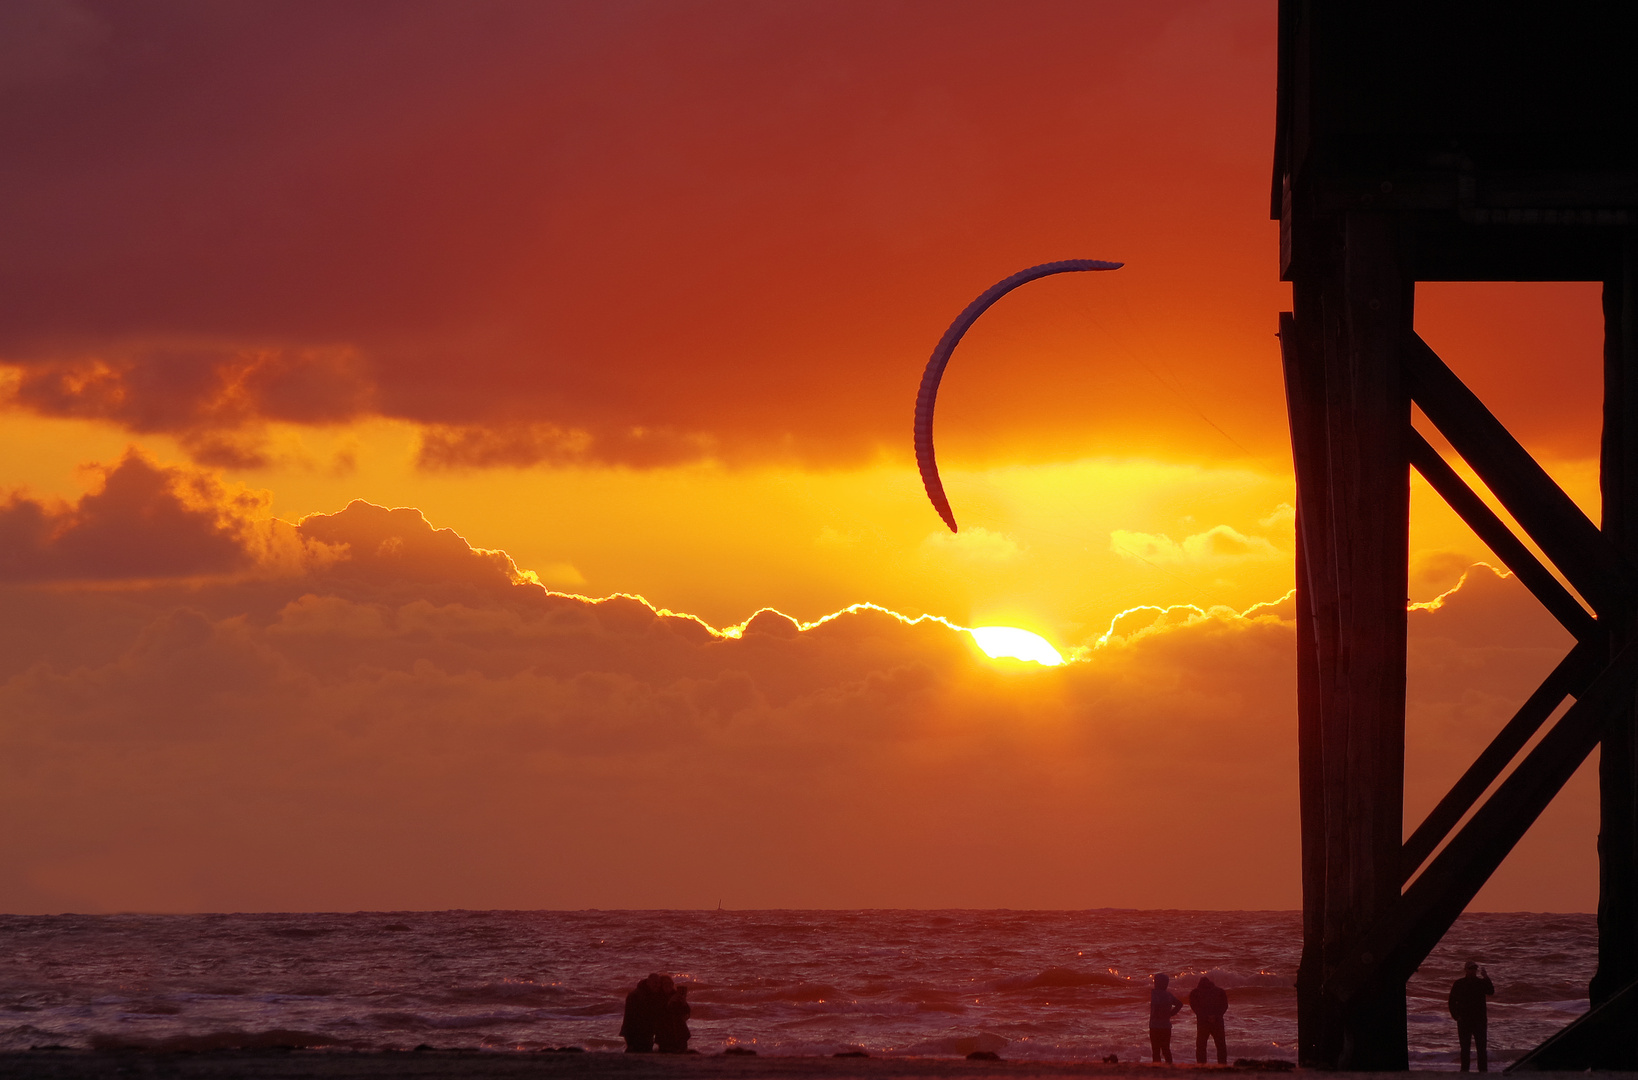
(1368, 424)
(1302, 357)
(1618, 757)
(1570, 677)
(1391, 952)
(1500, 539)
(1585, 556)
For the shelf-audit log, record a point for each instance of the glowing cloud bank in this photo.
(410, 720)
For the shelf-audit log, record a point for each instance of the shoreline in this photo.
(298, 1064)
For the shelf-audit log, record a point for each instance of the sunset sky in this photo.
(352, 355)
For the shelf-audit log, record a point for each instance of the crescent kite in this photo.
(941, 356)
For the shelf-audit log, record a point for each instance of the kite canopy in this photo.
(928, 394)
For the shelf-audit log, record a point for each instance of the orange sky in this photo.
(639, 294)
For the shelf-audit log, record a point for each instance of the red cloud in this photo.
(215, 401)
(148, 521)
(145, 521)
(382, 545)
(452, 446)
(730, 231)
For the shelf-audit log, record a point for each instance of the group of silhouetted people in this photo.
(656, 1017)
(1208, 1002)
(657, 1011)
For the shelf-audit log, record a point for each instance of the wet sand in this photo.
(473, 1065)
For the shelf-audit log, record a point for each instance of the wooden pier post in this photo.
(1415, 143)
(1618, 760)
(1350, 417)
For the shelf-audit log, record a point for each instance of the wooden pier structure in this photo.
(1455, 141)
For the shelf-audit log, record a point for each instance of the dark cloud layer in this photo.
(664, 230)
(216, 402)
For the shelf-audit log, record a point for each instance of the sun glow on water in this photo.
(1010, 642)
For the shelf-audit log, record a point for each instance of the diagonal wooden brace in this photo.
(1585, 556)
(1398, 943)
(1584, 1044)
(1569, 678)
(1500, 539)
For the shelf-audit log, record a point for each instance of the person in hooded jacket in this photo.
(645, 1011)
(672, 1035)
(1163, 1005)
(1209, 1002)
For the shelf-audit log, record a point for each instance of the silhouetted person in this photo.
(1467, 1007)
(645, 1011)
(1163, 1005)
(673, 1033)
(1209, 1003)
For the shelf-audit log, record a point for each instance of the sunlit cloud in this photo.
(972, 545)
(1220, 544)
(1283, 514)
(1439, 601)
(559, 575)
(1147, 619)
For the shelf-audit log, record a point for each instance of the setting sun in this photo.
(1000, 642)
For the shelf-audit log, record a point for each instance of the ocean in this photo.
(1043, 985)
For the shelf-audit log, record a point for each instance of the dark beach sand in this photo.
(472, 1065)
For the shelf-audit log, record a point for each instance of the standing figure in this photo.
(673, 1033)
(1163, 1005)
(645, 1009)
(1468, 1009)
(1209, 1002)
